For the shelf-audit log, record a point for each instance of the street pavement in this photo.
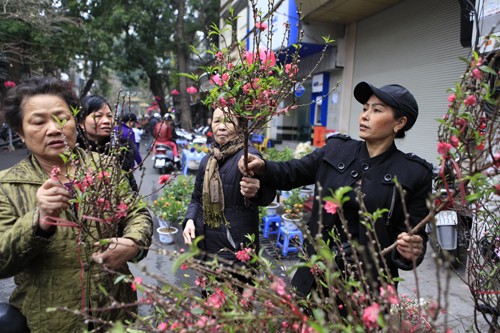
(158, 263)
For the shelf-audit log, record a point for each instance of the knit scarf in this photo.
(213, 195)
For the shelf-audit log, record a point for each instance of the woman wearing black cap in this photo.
(369, 165)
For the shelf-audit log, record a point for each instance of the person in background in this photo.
(95, 121)
(138, 132)
(54, 265)
(218, 210)
(152, 124)
(126, 138)
(370, 165)
(164, 132)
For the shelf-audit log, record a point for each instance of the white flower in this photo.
(302, 149)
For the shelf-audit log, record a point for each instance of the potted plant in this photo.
(293, 207)
(272, 208)
(171, 206)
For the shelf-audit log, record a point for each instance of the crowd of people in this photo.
(39, 213)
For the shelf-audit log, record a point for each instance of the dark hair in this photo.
(15, 97)
(90, 104)
(129, 117)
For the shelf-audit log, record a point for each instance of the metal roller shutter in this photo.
(416, 44)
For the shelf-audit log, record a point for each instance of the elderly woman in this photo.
(58, 254)
(218, 210)
(370, 165)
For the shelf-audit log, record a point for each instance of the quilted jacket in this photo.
(57, 272)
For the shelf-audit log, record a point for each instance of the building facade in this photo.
(415, 43)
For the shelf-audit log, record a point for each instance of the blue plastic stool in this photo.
(283, 240)
(268, 220)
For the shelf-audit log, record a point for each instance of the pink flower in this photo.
(217, 299)
(470, 101)
(267, 58)
(137, 282)
(476, 73)
(390, 294)
(452, 98)
(244, 255)
(331, 207)
(279, 286)
(496, 160)
(55, 172)
(219, 55)
(121, 210)
(249, 57)
(216, 80)
(9, 84)
(164, 179)
(104, 176)
(444, 148)
(454, 141)
(291, 69)
(103, 203)
(184, 267)
(200, 281)
(162, 326)
(261, 26)
(370, 315)
(191, 90)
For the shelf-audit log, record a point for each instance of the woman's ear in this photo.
(400, 123)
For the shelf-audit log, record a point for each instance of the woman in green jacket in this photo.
(66, 229)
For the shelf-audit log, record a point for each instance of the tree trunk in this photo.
(182, 63)
(156, 86)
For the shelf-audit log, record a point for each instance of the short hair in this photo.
(90, 104)
(15, 97)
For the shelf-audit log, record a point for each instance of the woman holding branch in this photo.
(224, 204)
(370, 167)
(68, 225)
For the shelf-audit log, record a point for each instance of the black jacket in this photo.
(345, 162)
(243, 219)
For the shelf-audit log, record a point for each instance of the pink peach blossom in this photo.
(444, 148)
(370, 315)
(470, 101)
(331, 207)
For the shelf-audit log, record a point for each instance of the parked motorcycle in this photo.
(452, 236)
(163, 158)
(9, 139)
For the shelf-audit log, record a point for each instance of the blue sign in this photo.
(299, 89)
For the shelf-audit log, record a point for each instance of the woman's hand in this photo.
(249, 187)
(189, 232)
(52, 198)
(409, 247)
(256, 166)
(117, 253)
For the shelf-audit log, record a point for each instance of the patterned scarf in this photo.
(213, 196)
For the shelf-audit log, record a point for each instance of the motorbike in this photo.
(163, 158)
(452, 236)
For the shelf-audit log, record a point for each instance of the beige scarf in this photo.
(213, 195)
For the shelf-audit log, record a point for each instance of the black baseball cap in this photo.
(393, 95)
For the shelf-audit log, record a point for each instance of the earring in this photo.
(395, 130)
